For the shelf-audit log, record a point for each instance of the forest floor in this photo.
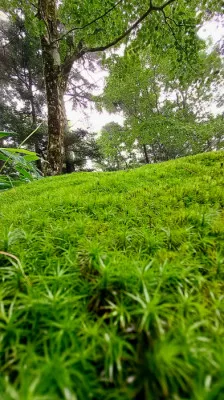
(112, 284)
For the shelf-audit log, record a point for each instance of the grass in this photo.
(112, 285)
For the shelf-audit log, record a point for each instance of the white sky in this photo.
(92, 120)
(89, 118)
(212, 29)
(213, 32)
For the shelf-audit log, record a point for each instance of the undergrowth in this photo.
(112, 285)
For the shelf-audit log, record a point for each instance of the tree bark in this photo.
(34, 117)
(69, 166)
(55, 86)
(146, 154)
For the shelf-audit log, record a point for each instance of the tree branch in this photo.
(78, 54)
(128, 31)
(89, 23)
(179, 25)
(170, 28)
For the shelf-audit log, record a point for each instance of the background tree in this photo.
(80, 147)
(23, 100)
(113, 147)
(22, 91)
(162, 99)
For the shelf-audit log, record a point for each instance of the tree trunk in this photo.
(55, 117)
(34, 117)
(55, 86)
(69, 165)
(146, 154)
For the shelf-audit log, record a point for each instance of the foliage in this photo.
(21, 68)
(113, 147)
(68, 32)
(112, 284)
(16, 165)
(80, 146)
(22, 89)
(23, 99)
(162, 101)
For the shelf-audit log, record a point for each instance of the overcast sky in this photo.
(92, 120)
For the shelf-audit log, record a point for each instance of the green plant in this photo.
(17, 164)
(111, 284)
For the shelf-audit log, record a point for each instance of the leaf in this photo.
(4, 134)
(4, 185)
(31, 158)
(5, 182)
(11, 156)
(31, 134)
(3, 157)
(25, 173)
(14, 150)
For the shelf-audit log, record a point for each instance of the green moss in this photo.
(117, 289)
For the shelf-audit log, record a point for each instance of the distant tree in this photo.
(80, 147)
(22, 94)
(162, 99)
(113, 146)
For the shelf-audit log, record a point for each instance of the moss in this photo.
(116, 292)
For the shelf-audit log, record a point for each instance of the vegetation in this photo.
(67, 33)
(16, 165)
(112, 284)
(165, 100)
(23, 98)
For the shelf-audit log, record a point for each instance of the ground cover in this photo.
(112, 284)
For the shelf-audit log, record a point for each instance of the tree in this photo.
(68, 31)
(23, 99)
(80, 146)
(161, 97)
(113, 147)
(21, 85)
(57, 69)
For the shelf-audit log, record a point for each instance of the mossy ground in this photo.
(117, 288)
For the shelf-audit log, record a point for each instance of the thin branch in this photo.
(178, 25)
(174, 35)
(20, 78)
(88, 23)
(78, 54)
(34, 5)
(171, 29)
(128, 31)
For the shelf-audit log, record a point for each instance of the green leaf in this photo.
(10, 155)
(4, 185)
(5, 182)
(4, 134)
(14, 150)
(25, 173)
(31, 158)
(3, 157)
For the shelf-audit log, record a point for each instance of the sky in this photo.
(213, 29)
(94, 121)
(89, 118)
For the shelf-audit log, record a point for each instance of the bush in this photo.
(17, 165)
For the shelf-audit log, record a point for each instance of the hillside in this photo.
(116, 291)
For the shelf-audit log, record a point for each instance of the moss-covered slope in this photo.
(113, 285)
